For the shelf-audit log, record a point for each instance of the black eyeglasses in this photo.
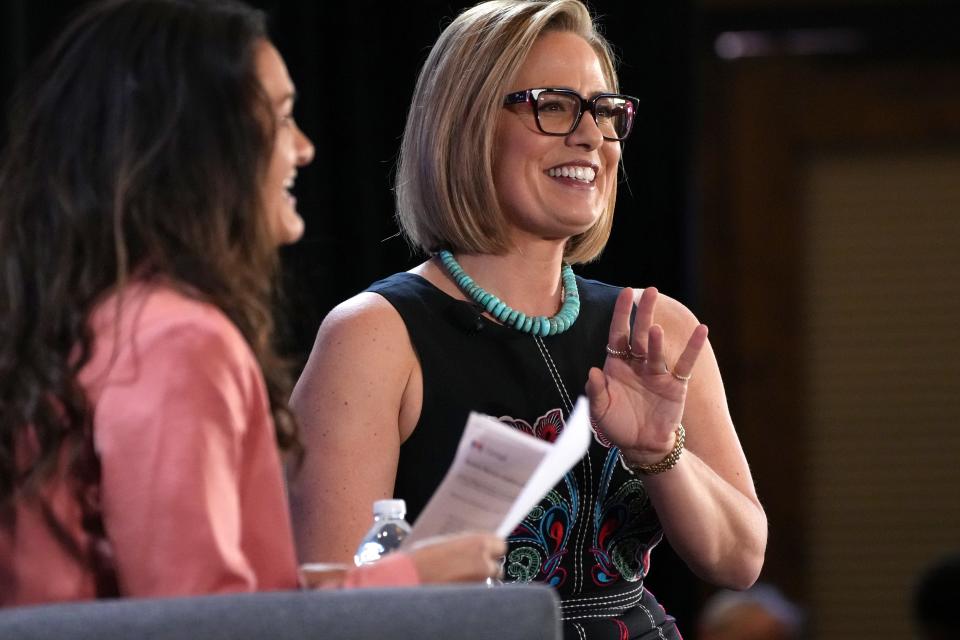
(558, 111)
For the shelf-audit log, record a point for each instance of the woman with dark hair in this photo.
(507, 176)
(144, 191)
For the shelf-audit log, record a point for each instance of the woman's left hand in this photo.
(638, 399)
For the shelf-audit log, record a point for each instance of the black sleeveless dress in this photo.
(592, 535)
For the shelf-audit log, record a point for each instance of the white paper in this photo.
(570, 446)
(499, 474)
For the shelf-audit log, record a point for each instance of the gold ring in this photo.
(642, 357)
(680, 377)
(617, 353)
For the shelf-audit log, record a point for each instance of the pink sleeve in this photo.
(169, 428)
(394, 570)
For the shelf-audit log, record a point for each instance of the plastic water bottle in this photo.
(388, 531)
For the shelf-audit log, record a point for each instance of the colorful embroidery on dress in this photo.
(542, 539)
(622, 527)
(547, 427)
(600, 436)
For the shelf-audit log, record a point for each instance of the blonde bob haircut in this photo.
(445, 194)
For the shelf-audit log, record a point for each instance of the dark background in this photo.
(709, 208)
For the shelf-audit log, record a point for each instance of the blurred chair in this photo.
(464, 612)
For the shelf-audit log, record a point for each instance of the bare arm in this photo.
(349, 402)
(707, 502)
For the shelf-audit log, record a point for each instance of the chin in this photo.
(582, 223)
(292, 235)
(289, 228)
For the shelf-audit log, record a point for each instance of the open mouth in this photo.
(586, 175)
(288, 189)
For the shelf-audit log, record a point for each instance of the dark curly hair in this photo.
(136, 147)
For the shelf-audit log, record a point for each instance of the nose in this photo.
(587, 134)
(304, 148)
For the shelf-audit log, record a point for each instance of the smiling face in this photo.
(291, 148)
(554, 187)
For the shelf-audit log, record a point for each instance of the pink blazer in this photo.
(192, 493)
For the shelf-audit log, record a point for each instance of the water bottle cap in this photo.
(396, 508)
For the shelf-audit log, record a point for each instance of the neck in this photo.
(528, 280)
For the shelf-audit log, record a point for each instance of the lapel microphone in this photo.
(467, 316)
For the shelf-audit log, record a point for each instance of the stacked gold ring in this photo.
(618, 353)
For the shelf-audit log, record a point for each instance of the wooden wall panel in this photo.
(818, 167)
(882, 309)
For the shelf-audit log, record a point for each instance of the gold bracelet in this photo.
(666, 464)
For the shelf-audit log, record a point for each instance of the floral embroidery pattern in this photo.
(547, 427)
(539, 543)
(600, 436)
(621, 525)
(542, 538)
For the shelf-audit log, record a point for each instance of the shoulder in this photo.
(393, 305)
(167, 363)
(152, 326)
(398, 283)
(671, 313)
(362, 350)
(676, 320)
(596, 292)
(157, 306)
(172, 316)
(359, 332)
(366, 313)
(411, 293)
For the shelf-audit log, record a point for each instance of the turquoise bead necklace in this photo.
(534, 325)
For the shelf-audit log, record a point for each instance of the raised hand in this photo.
(638, 398)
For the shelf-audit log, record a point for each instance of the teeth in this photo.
(583, 174)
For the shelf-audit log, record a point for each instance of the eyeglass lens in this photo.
(557, 113)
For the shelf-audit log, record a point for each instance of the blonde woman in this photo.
(508, 175)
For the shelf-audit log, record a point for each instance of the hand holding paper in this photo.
(499, 474)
